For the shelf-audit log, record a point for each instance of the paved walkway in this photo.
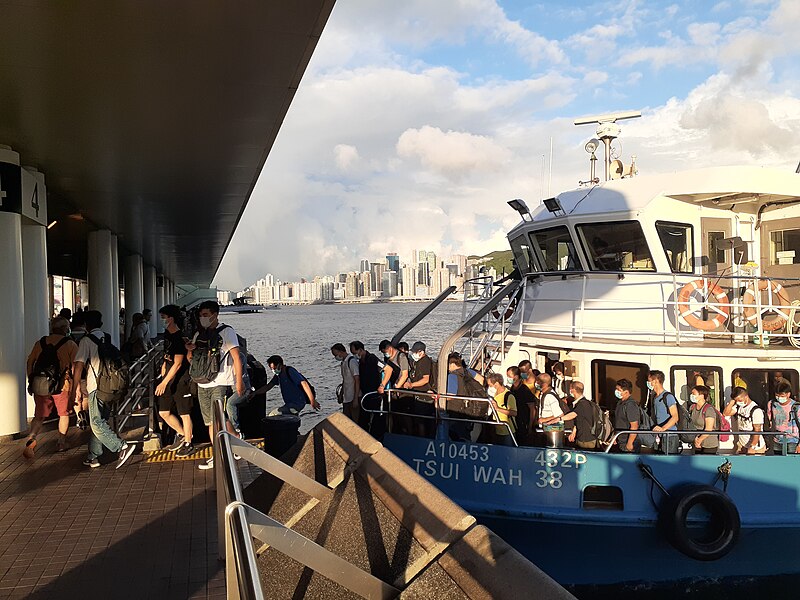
(147, 530)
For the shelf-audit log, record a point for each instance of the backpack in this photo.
(684, 420)
(598, 426)
(298, 384)
(434, 378)
(511, 420)
(468, 387)
(721, 423)
(340, 387)
(113, 377)
(206, 360)
(47, 377)
(645, 423)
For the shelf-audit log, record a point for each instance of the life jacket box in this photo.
(280, 433)
(467, 409)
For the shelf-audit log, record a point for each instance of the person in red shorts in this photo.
(63, 350)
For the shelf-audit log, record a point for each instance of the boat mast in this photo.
(607, 131)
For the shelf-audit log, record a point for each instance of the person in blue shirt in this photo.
(295, 389)
(664, 406)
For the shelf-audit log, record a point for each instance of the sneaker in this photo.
(176, 444)
(30, 447)
(209, 464)
(125, 453)
(82, 419)
(187, 449)
(91, 462)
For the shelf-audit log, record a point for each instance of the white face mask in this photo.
(491, 391)
(509, 380)
(416, 356)
(649, 385)
(693, 398)
(740, 403)
(205, 322)
(618, 394)
(783, 400)
(339, 358)
(165, 323)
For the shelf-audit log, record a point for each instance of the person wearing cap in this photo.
(421, 381)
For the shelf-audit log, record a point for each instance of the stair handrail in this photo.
(422, 314)
(448, 345)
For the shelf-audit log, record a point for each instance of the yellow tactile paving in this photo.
(202, 453)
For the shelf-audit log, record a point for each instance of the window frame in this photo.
(541, 258)
(773, 253)
(533, 267)
(587, 252)
(691, 258)
(618, 363)
(715, 369)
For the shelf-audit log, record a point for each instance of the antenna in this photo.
(608, 130)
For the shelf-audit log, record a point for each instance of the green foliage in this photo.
(499, 259)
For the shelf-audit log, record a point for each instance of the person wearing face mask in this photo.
(351, 381)
(750, 418)
(526, 405)
(664, 408)
(704, 417)
(627, 417)
(784, 416)
(174, 391)
(369, 371)
(421, 380)
(505, 405)
(295, 389)
(551, 412)
(220, 343)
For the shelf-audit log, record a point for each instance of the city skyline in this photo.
(421, 275)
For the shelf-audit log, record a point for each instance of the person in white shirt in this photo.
(351, 381)
(559, 381)
(231, 367)
(749, 418)
(88, 357)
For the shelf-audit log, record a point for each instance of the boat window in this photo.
(556, 249)
(617, 246)
(677, 240)
(605, 374)
(603, 497)
(684, 378)
(784, 247)
(523, 254)
(761, 383)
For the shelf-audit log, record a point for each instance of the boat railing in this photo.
(673, 432)
(383, 406)
(141, 392)
(716, 303)
(239, 524)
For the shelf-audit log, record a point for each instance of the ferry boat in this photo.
(692, 273)
(242, 306)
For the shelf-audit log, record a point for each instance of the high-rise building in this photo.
(393, 262)
(440, 281)
(409, 278)
(389, 287)
(351, 286)
(364, 265)
(461, 261)
(376, 276)
(423, 272)
(365, 287)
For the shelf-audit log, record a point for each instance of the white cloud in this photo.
(454, 154)
(346, 156)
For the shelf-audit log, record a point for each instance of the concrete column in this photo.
(134, 289)
(159, 303)
(172, 297)
(113, 326)
(35, 288)
(150, 296)
(101, 277)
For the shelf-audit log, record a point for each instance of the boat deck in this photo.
(147, 530)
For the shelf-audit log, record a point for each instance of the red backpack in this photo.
(722, 423)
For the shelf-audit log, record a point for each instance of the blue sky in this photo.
(417, 120)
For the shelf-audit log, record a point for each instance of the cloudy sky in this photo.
(417, 120)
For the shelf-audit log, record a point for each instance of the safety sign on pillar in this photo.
(34, 196)
(10, 181)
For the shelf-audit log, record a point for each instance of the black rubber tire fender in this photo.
(725, 525)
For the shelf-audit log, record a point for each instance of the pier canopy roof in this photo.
(748, 188)
(152, 119)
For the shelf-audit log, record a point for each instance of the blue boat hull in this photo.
(533, 498)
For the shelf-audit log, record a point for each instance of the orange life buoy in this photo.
(721, 306)
(778, 318)
(509, 310)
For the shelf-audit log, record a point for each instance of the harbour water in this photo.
(303, 335)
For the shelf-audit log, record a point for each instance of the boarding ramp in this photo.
(342, 517)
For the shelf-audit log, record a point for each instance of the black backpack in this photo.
(468, 387)
(113, 377)
(206, 357)
(598, 429)
(684, 420)
(47, 376)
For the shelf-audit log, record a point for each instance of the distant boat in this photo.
(242, 307)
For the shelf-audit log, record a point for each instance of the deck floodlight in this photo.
(592, 145)
(553, 205)
(519, 205)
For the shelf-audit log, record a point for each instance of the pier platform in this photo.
(146, 530)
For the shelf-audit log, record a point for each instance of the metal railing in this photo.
(239, 523)
(440, 415)
(590, 314)
(716, 433)
(141, 393)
